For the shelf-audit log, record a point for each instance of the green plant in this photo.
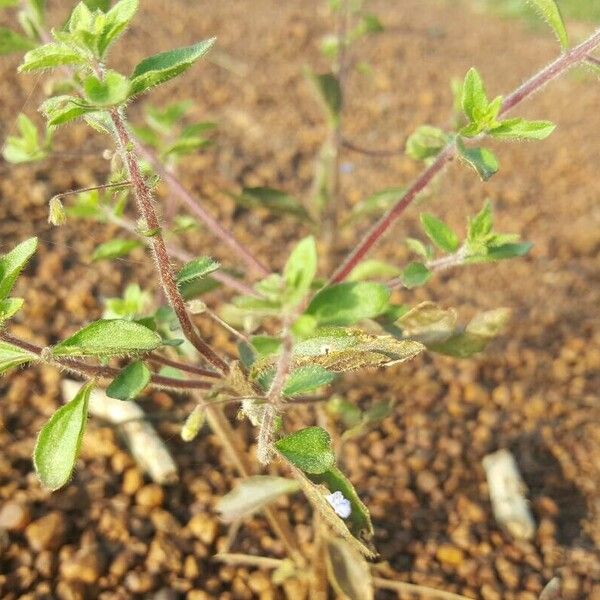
(297, 331)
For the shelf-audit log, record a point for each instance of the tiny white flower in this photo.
(340, 505)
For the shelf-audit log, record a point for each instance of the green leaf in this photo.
(253, 494)
(26, 147)
(265, 345)
(103, 5)
(62, 109)
(316, 495)
(13, 356)
(426, 142)
(474, 98)
(308, 449)
(115, 249)
(274, 200)
(348, 303)
(330, 92)
(373, 269)
(306, 379)
(505, 251)
(9, 307)
(115, 22)
(161, 67)
(349, 414)
(197, 268)
(11, 41)
(186, 145)
(109, 337)
(300, 270)
(551, 13)
(370, 23)
(419, 248)
(359, 521)
(51, 56)
(163, 119)
(480, 226)
(376, 204)
(520, 129)
(439, 233)
(12, 264)
(58, 444)
(134, 303)
(112, 90)
(414, 275)
(480, 159)
(130, 382)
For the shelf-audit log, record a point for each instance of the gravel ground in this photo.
(111, 534)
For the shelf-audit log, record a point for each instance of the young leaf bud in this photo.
(193, 424)
(56, 212)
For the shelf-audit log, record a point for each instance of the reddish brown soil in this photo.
(534, 391)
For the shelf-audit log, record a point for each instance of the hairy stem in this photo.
(273, 399)
(185, 197)
(182, 255)
(215, 416)
(82, 368)
(532, 85)
(144, 200)
(196, 209)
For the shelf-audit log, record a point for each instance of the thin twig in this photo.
(182, 255)
(92, 188)
(412, 588)
(536, 82)
(346, 143)
(162, 360)
(273, 399)
(195, 208)
(231, 558)
(593, 60)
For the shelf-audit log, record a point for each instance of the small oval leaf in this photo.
(12, 264)
(348, 303)
(13, 356)
(130, 382)
(109, 337)
(161, 67)
(308, 449)
(58, 443)
(551, 13)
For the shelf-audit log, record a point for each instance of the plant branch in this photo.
(196, 209)
(144, 200)
(84, 369)
(182, 255)
(563, 63)
(593, 60)
(419, 590)
(222, 428)
(273, 399)
(215, 416)
(346, 143)
(162, 360)
(185, 197)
